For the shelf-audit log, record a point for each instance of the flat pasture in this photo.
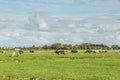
(46, 65)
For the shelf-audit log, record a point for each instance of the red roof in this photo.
(36, 47)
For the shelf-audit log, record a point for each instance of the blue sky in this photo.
(40, 22)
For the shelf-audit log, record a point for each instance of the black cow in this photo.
(31, 51)
(88, 51)
(74, 51)
(103, 51)
(60, 52)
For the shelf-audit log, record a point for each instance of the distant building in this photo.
(64, 47)
(36, 47)
(9, 48)
(17, 49)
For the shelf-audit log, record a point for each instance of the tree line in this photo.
(71, 47)
(80, 46)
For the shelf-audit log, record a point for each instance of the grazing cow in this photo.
(13, 54)
(31, 51)
(60, 52)
(117, 51)
(100, 51)
(74, 51)
(20, 53)
(103, 51)
(1, 51)
(88, 51)
(95, 51)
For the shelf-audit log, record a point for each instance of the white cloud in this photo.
(66, 21)
(72, 25)
(39, 29)
(117, 36)
(42, 24)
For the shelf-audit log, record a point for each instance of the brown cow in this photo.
(1, 51)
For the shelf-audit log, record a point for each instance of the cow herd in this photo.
(95, 51)
(20, 52)
(65, 51)
(61, 52)
(76, 51)
(16, 54)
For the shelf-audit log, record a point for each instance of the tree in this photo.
(46, 47)
(76, 46)
(66, 46)
(56, 46)
(115, 46)
(70, 46)
(85, 45)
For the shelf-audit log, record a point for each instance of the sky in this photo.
(40, 22)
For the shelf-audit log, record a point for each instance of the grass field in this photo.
(46, 65)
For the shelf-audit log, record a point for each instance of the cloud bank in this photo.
(39, 22)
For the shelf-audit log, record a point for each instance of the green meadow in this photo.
(46, 65)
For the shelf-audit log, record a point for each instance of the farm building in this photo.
(36, 47)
